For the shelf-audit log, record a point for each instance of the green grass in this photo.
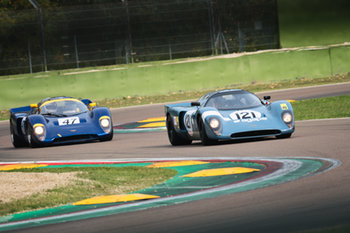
(331, 107)
(97, 181)
(313, 22)
(160, 79)
(187, 95)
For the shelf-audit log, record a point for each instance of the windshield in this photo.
(62, 107)
(233, 100)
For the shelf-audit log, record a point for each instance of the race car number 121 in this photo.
(245, 115)
(69, 121)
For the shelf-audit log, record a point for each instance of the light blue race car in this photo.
(228, 115)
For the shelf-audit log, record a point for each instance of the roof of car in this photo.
(228, 90)
(55, 98)
(223, 91)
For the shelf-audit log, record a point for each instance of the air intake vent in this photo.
(76, 138)
(256, 133)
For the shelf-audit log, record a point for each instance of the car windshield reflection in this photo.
(233, 100)
(63, 108)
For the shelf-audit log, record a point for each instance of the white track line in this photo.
(289, 165)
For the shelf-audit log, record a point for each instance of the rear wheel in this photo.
(174, 138)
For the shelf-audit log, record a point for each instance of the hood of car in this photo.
(245, 115)
(55, 120)
(72, 125)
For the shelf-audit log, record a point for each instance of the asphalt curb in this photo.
(277, 171)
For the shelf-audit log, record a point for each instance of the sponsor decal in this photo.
(188, 120)
(284, 106)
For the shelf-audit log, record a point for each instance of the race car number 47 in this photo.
(68, 121)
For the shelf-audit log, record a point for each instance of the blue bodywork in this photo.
(191, 121)
(59, 129)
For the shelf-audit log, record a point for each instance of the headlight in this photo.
(214, 123)
(287, 117)
(39, 131)
(105, 123)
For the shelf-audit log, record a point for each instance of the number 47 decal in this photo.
(69, 121)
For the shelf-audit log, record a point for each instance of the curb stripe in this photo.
(289, 169)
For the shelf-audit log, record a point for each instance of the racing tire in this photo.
(108, 138)
(206, 141)
(29, 137)
(174, 138)
(16, 140)
(284, 136)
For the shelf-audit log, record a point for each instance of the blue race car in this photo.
(60, 120)
(228, 115)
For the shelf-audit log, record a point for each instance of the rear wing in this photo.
(91, 105)
(26, 109)
(86, 101)
(168, 106)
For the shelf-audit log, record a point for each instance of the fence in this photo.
(133, 31)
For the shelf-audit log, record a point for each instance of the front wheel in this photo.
(174, 138)
(108, 138)
(29, 136)
(16, 140)
(206, 141)
(284, 136)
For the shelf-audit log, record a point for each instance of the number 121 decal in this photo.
(246, 115)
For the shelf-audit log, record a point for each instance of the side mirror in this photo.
(34, 105)
(195, 104)
(267, 97)
(92, 105)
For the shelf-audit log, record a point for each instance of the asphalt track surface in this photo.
(312, 202)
